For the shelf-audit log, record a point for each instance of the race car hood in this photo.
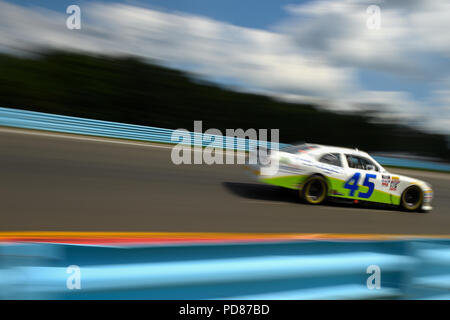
(409, 180)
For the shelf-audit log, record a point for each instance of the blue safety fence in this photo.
(406, 269)
(409, 163)
(66, 124)
(57, 123)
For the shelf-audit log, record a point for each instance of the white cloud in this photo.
(440, 100)
(260, 58)
(315, 55)
(410, 29)
(412, 44)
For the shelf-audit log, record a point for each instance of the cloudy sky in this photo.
(322, 51)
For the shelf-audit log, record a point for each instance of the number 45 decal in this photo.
(352, 185)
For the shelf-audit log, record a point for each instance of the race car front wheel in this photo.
(314, 190)
(412, 198)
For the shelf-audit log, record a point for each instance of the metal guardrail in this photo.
(277, 270)
(410, 163)
(66, 124)
(50, 122)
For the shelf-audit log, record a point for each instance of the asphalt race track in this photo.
(62, 183)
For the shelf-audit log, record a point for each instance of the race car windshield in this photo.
(299, 148)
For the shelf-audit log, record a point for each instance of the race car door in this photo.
(363, 180)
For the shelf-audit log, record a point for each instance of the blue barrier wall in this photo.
(408, 163)
(57, 123)
(279, 270)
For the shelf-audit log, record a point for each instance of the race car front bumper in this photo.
(427, 198)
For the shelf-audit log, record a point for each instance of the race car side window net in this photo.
(356, 162)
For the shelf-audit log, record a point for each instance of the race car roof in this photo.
(307, 147)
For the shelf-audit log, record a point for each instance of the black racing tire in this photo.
(315, 190)
(412, 198)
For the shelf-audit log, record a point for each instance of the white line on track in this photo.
(63, 135)
(77, 137)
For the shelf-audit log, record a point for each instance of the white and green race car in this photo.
(319, 172)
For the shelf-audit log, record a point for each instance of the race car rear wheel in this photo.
(315, 190)
(412, 198)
